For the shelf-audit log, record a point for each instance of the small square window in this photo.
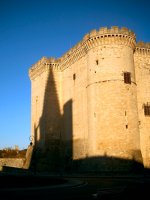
(147, 109)
(74, 76)
(127, 77)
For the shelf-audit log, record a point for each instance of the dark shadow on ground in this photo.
(53, 154)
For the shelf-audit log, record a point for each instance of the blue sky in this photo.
(31, 29)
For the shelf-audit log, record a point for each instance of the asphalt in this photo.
(76, 187)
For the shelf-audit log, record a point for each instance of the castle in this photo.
(94, 101)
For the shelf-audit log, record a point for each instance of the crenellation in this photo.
(94, 40)
(114, 29)
(122, 36)
(93, 33)
(124, 30)
(86, 37)
(52, 60)
(44, 64)
(142, 44)
(103, 30)
(103, 78)
(140, 51)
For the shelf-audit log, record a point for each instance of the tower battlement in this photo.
(105, 36)
(144, 45)
(142, 49)
(113, 31)
(92, 101)
(42, 65)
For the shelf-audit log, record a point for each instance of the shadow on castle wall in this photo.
(53, 133)
(53, 146)
(54, 150)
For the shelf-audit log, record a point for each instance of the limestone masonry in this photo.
(92, 105)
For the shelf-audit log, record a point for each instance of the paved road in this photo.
(85, 188)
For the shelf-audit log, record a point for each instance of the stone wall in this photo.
(142, 68)
(75, 105)
(82, 109)
(45, 103)
(11, 162)
(110, 99)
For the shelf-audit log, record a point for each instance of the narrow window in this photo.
(147, 109)
(74, 76)
(127, 77)
(96, 62)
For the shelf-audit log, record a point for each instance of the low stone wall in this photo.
(11, 162)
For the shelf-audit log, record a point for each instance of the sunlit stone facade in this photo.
(94, 101)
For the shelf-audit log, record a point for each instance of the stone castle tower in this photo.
(92, 105)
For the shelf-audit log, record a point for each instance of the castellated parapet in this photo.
(42, 65)
(91, 107)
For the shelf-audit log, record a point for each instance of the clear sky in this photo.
(31, 29)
